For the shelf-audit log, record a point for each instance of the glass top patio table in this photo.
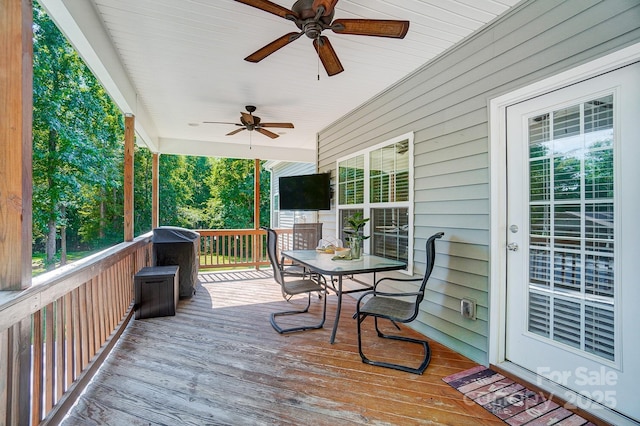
(325, 264)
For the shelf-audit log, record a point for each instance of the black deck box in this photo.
(156, 291)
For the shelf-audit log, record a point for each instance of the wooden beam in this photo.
(256, 194)
(155, 190)
(129, 141)
(256, 209)
(16, 104)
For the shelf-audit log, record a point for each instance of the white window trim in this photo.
(367, 205)
(275, 218)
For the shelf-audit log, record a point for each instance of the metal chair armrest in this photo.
(378, 293)
(391, 279)
(396, 279)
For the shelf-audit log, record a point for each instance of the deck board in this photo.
(219, 361)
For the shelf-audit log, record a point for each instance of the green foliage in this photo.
(356, 223)
(142, 191)
(182, 191)
(210, 193)
(77, 142)
(231, 184)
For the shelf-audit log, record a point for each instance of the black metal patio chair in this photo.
(398, 308)
(294, 284)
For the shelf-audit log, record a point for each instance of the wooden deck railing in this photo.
(238, 248)
(55, 334)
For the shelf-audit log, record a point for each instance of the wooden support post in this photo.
(16, 105)
(155, 190)
(256, 210)
(16, 114)
(129, 141)
(256, 194)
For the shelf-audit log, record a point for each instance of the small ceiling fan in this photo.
(252, 122)
(314, 16)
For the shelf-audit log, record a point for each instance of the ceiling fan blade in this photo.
(247, 118)
(267, 50)
(270, 7)
(235, 131)
(371, 27)
(222, 122)
(280, 125)
(328, 56)
(328, 6)
(266, 133)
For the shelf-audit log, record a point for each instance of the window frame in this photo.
(367, 206)
(275, 218)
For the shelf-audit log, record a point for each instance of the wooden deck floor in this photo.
(219, 362)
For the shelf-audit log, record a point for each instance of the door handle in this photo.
(512, 246)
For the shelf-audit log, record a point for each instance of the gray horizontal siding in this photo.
(445, 105)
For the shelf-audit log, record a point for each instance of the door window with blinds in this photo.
(377, 182)
(571, 218)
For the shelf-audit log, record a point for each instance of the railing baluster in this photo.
(119, 288)
(37, 385)
(68, 339)
(111, 302)
(97, 318)
(20, 362)
(77, 335)
(91, 317)
(101, 305)
(59, 348)
(84, 329)
(49, 359)
(4, 366)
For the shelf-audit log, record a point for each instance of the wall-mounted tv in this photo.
(305, 192)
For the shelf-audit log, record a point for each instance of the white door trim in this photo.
(498, 172)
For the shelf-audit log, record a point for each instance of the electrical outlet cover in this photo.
(468, 308)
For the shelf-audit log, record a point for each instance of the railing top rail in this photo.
(230, 232)
(238, 231)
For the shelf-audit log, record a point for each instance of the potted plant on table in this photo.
(356, 233)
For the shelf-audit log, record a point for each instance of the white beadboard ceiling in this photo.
(176, 63)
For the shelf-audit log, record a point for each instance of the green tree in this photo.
(100, 208)
(76, 134)
(176, 189)
(143, 191)
(194, 215)
(231, 183)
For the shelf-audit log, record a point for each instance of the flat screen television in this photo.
(305, 192)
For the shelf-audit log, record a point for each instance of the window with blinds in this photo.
(377, 183)
(571, 219)
(389, 173)
(351, 179)
(390, 235)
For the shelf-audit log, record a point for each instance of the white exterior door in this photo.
(573, 219)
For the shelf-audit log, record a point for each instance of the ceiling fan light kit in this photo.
(314, 16)
(251, 122)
